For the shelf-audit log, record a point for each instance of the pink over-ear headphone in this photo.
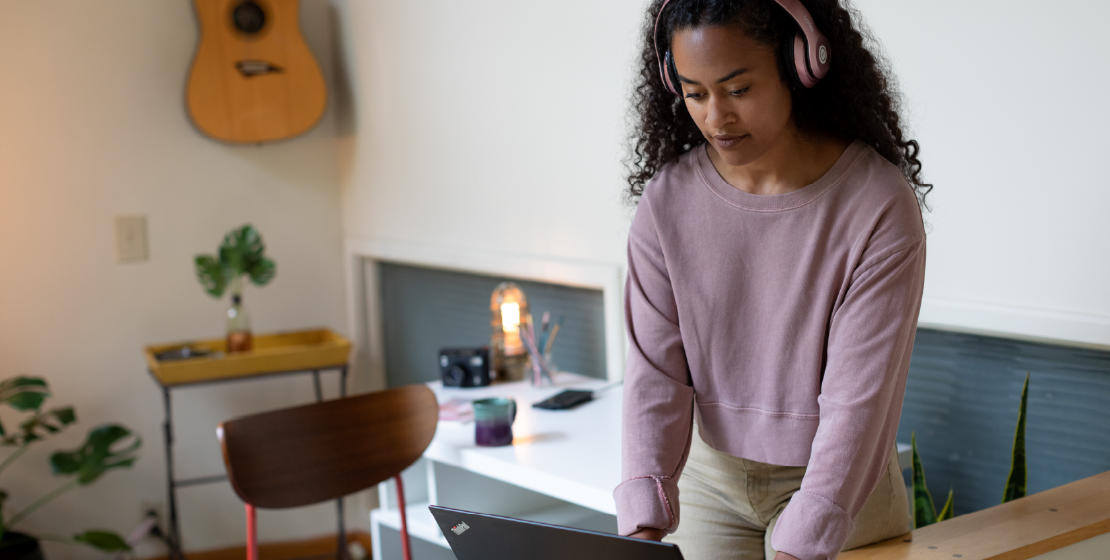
(812, 53)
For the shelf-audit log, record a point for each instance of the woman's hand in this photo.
(654, 535)
(784, 556)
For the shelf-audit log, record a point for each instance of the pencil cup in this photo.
(542, 369)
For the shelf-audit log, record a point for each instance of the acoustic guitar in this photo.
(253, 78)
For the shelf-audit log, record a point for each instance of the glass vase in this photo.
(238, 326)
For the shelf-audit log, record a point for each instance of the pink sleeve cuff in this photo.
(811, 528)
(649, 502)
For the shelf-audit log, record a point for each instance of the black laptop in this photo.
(477, 536)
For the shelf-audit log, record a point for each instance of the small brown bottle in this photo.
(238, 326)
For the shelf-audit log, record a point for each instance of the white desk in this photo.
(562, 467)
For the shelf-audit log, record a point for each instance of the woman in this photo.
(776, 263)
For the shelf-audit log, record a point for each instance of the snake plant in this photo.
(106, 448)
(924, 511)
(1015, 482)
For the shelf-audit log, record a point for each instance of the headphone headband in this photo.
(812, 52)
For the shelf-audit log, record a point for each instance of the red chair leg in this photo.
(406, 547)
(252, 534)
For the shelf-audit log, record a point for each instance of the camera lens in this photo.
(455, 376)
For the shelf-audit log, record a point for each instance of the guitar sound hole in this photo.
(248, 17)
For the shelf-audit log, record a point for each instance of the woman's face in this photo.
(732, 88)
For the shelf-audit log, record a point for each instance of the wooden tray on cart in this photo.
(275, 352)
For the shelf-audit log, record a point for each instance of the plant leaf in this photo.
(924, 510)
(97, 455)
(1018, 477)
(211, 275)
(242, 249)
(11, 538)
(24, 393)
(262, 272)
(40, 425)
(103, 540)
(947, 511)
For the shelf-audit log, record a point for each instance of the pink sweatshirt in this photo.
(782, 323)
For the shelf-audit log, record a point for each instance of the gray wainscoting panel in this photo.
(962, 400)
(425, 309)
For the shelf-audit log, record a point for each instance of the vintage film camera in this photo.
(464, 367)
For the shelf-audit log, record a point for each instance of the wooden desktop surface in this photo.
(1016, 530)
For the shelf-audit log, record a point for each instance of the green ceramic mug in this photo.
(493, 421)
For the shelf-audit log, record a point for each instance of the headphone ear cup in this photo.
(801, 65)
(789, 64)
(672, 74)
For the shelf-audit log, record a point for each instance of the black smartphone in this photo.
(567, 399)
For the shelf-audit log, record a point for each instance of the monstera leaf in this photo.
(211, 275)
(41, 424)
(103, 540)
(242, 252)
(262, 272)
(107, 447)
(23, 393)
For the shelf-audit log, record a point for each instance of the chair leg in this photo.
(252, 533)
(406, 547)
(341, 545)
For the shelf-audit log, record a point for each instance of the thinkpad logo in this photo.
(460, 528)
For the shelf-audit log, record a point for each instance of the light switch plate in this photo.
(131, 244)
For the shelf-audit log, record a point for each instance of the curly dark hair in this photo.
(858, 99)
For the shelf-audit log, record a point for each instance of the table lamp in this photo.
(508, 309)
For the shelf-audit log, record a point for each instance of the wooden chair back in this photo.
(323, 451)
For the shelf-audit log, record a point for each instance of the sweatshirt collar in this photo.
(776, 202)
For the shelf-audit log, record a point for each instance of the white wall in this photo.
(491, 130)
(469, 107)
(93, 125)
(1008, 100)
(492, 125)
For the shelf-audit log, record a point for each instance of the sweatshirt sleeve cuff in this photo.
(649, 502)
(811, 528)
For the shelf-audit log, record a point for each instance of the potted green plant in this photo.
(925, 511)
(242, 253)
(106, 448)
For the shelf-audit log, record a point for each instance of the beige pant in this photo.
(729, 506)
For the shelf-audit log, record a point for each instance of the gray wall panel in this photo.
(425, 309)
(962, 400)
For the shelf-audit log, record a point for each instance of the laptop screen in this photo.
(478, 536)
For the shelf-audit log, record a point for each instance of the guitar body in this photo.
(253, 78)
